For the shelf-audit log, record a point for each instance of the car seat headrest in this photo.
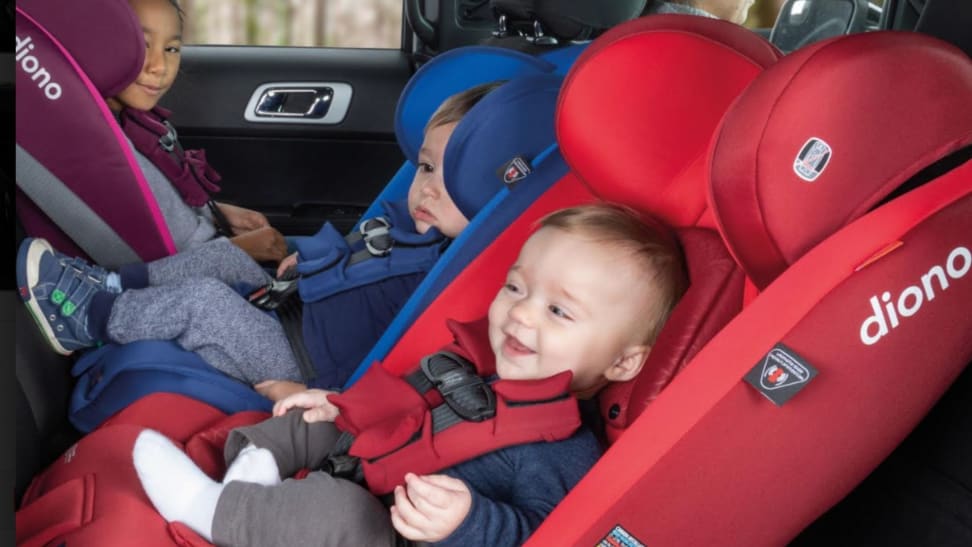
(639, 106)
(514, 121)
(566, 20)
(714, 297)
(828, 133)
(449, 73)
(103, 36)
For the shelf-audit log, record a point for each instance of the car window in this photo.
(330, 23)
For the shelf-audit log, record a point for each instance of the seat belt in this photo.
(71, 214)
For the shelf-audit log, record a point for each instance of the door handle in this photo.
(295, 102)
(299, 102)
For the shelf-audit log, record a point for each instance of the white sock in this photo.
(253, 464)
(179, 490)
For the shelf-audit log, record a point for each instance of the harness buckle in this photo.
(169, 140)
(466, 393)
(376, 237)
(272, 295)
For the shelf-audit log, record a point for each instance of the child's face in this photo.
(428, 202)
(163, 40)
(570, 303)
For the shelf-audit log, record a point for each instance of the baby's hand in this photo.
(286, 264)
(430, 507)
(320, 409)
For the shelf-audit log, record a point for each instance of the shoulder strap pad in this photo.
(156, 139)
(332, 263)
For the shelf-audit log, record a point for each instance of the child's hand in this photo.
(430, 507)
(320, 409)
(286, 264)
(276, 390)
(241, 219)
(264, 244)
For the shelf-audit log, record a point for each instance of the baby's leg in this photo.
(293, 443)
(218, 259)
(178, 489)
(253, 464)
(317, 510)
(210, 318)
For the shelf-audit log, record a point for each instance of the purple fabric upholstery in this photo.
(70, 55)
(103, 36)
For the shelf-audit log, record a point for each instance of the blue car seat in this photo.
(445, 75)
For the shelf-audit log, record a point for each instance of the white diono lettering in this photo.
(31, 65)
(886, 318)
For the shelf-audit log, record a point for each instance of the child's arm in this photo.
(286, 264)
(242, 219)
(319, 408)
(277, 390)
(264, 244)
(430, 507)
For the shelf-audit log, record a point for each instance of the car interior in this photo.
(810, 388)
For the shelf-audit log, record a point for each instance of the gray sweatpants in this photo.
(191, 301)
(317, 510)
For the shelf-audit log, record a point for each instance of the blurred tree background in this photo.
(332, 23)
(337, 23)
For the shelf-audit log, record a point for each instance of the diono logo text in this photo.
(908, 303)
(31, 65)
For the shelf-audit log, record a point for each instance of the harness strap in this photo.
(290, 312)
(196, 160)
(187, 170)
(378, 241)
(464, 396)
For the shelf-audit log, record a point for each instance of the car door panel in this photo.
(298, 174)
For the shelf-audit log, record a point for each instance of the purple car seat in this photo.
(75, 168)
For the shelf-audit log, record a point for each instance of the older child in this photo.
(735, 11)
(581, 306)
(180, 185)
(191, 298)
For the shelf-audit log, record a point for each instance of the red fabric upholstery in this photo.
(878, 307)
(880, 131)
(712, 459)
(639, 106)
(653, 128)
(715, 297)
(91, 496)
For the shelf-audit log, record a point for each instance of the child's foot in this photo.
(253, 464)
(178, 489)
(57, 290)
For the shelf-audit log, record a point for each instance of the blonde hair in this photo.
(649, 242)
(456, 106)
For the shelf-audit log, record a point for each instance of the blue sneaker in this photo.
(57, 290)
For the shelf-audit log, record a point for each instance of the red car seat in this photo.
(74, 165)
(714, 58)
(841, 183)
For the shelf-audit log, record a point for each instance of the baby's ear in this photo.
(628, 364)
